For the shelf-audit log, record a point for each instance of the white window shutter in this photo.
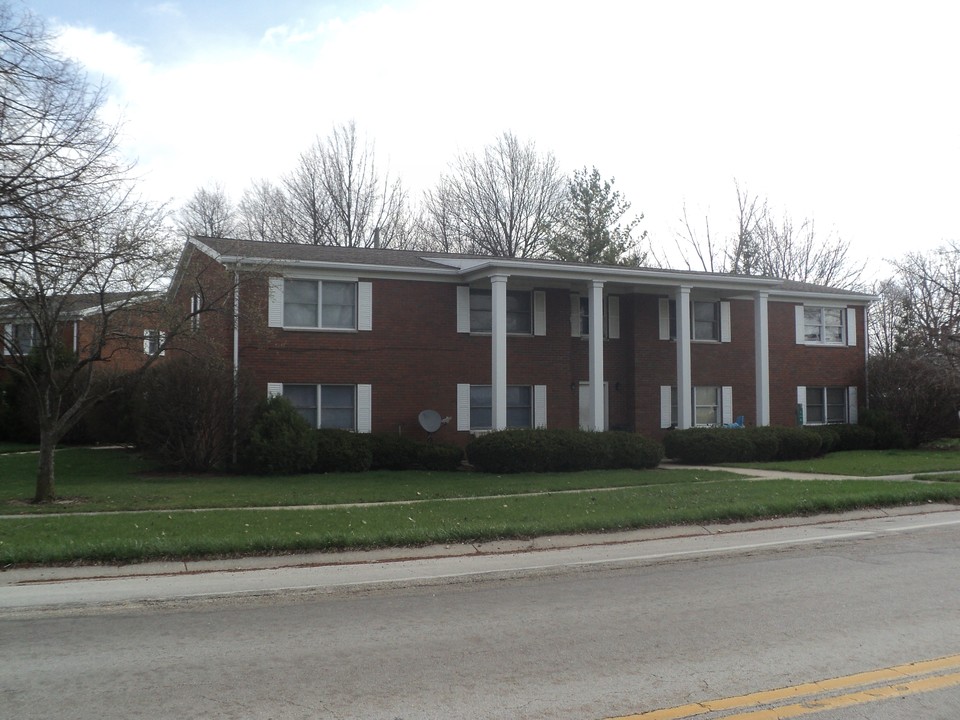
(724, 321)
(274, 389)
(463, 308)
(851, 326)
(146, 342)
(161, 338)
(364, 408)
(463, 406)
(798, 314)
(665, 320)
(666, 400)
(852, 411)
(574, 315)
(364, 306)
(726, 404)
(539, 312)
(613, 317)
(802, 401)
(275, 302)
(539, 406)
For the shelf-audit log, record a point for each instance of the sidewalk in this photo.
(43, 575)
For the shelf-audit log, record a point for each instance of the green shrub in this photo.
(341, 451)
(766, 442)
(392, 452)
(705, 446)
(281, 442)
(888, 433)
(439, 457)
(829, 437)
(855, 437)
(797, 443)
(541, 450)
(629, 450)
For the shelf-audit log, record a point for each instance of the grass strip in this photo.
(129, 538)
(869, 463)
(112, 480)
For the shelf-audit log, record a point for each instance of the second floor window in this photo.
(823, 325)
(519, 312)
(320, 304)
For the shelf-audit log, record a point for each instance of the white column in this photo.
(595, 349)
(684, 381)
(498, 381)
(761, 333)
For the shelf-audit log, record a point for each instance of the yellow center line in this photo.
(906, 676)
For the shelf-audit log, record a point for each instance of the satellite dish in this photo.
(430, 420)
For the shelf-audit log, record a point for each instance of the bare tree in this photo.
(504, 202)
(71, 233)
(208, 213)
(766, 244)
(337, 196)
(929, 303)
(265, 214)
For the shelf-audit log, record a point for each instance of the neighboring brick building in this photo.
(123, 342)
(368, 338)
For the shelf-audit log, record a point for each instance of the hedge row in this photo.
(704, 446)
(543, 450)
(282, 442)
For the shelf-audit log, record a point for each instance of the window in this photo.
(584, 316)
(196, 302)
(320, 304)
(706, 321)
(712, 405)
(826, 405)
(324, 406)
(706, 405)
(24, 337)
(709, 320)
(519, 406)
(519, 312)
(823, 325)
(153, 342)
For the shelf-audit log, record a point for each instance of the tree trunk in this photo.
(45, 491)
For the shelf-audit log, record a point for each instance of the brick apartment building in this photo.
(366, 339)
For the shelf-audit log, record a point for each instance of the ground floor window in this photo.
(519, 406)
(712, 405)
(325, 406)
(826, 405)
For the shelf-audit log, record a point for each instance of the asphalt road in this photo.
(584, 633)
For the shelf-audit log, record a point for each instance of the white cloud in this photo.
(847, 115)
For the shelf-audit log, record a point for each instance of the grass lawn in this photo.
(10, 447)
(111, 480)
(432, 507)
(870, 463)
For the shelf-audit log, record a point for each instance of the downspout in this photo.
(866, 356)
(236, 358)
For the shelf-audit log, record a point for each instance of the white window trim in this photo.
(538, 409)
(364, 307)
(724, 331)
(538, 312)
(611, 317)
(160, 337)
(849, 318)
(363, 402)
(668, 394)
(850, 398)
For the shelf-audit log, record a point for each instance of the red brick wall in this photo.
(414, 358)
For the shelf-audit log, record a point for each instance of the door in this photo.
(585, 406)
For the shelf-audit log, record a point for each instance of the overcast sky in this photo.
(847, 112)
